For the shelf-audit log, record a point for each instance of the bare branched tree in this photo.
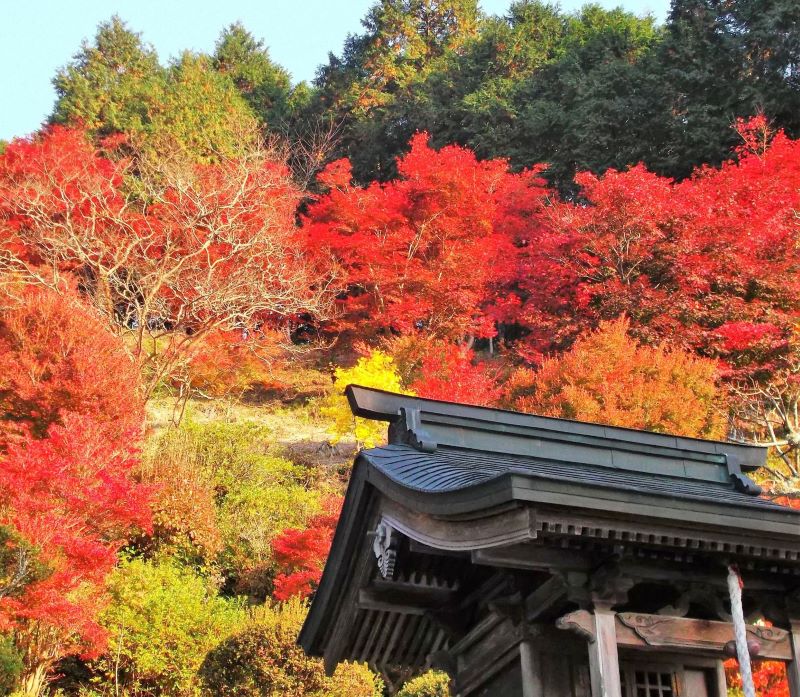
(768, 414)
(309, 148)
(166, 252)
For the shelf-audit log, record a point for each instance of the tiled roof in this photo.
(453, 469)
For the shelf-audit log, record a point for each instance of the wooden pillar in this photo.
(793, 666)
(722, 681)
(603, 657)
(531, 672)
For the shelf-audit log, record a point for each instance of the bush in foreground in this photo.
(264, 660)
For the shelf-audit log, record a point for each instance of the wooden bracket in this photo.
(700, 594)
(385, 548)
(577, 622)
(609, 586)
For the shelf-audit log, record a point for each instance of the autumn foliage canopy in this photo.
(607, 377)
(422, 252)
(416, 222)
(641, 302)
(167, 251)
(58, 358)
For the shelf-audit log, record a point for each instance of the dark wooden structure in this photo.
(542, 557)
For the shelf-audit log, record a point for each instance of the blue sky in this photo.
(39, 36)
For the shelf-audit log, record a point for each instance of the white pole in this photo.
(740, 632)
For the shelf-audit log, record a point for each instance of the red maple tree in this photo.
(769, 677)
(450, 373)
(301, 553)
(57, 358)
(420, 253)
(70, 423)
(710, 263)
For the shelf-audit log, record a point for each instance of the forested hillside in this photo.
(585, 215)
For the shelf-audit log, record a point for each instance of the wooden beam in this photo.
(397, 630)
(420, 548)
(545, 597)
(631, 522)
(658, 632)
(713, 576)
(532, 557)
(368, 599)
(720, 679)
(431, 589)
(793, 666)
(340, 633)
(603, 655)
(494, 644)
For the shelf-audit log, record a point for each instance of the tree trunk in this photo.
(33, 681)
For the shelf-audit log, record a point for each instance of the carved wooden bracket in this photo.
(639, 630)
(577, 588)
(657, 630)
(699, 594)
(385, 547)
(609, 586)
(578, 622)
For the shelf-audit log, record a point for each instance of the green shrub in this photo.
(264, 660)
(354, 680)
(162, 621)
(434, 683)
(256, 495)
(185, 524)
(226, 451)
(10, 665)
(250, 516)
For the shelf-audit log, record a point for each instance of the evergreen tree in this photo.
(264, 84)
(547, 87)
(199, 111)
(701, 70)
(772, 42)
(116, 85)
(110, 84)
(369, 86)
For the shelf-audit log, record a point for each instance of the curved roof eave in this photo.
(738, 512)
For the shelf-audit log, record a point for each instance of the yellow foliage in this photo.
(376, 370)
(434, 683)
(354, 680)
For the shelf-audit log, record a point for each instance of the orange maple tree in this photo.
(608, 377)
